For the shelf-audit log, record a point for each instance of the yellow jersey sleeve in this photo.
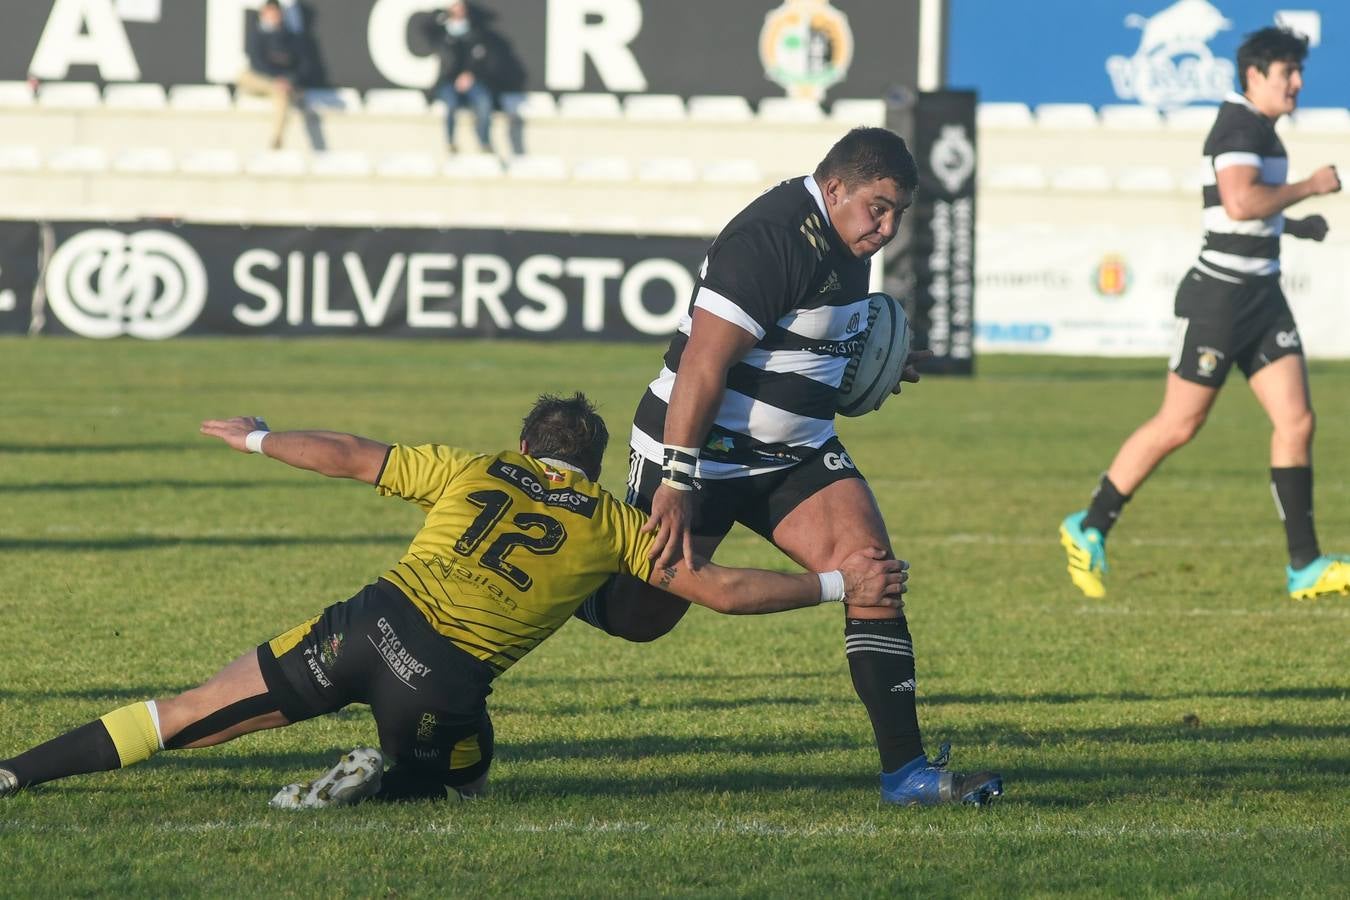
(631, 545)
(421, 474)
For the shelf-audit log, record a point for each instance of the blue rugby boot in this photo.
(1323, 576)
(925, 782)
(1087, 554)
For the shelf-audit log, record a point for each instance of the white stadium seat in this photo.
(284, 163)
(1325, 119)
(538, 105)
(1014, 177)
(789, 109)
(603, 168)
(718, 108)
(20, 159)
(1146, 180)
(16, 93)
(589, 106)
(340, 164)
(541, 168)
(472, 166)
(732, 171)
(676, 168)
(199, 97)
(1004, 115)
(78, 159)
(407, 165)
(69, 95)
(246, 102)
(654, 107)
(395, 101)
(149, 160)
(1192, 118)
(1081, 178)
(859, 112)
(1125, 116)
(1066, 115)
(134, 96)
(212, 161)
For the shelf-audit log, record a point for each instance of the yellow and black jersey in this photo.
(510, 547)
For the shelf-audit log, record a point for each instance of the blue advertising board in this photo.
(1157, 53)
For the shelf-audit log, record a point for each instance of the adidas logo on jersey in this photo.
(831, 283)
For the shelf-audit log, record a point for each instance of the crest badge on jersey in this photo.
(806, 46)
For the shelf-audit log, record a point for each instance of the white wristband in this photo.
(253, 443)
(831, 586)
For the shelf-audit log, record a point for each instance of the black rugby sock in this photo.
(881, 661)
(86, 749)
(1292, 490)
(1105, 507)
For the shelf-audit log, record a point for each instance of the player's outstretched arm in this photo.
(867, 578)
(330, 453)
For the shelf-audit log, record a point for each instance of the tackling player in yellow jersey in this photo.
(511, 545)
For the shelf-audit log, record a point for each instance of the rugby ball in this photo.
(876, 363)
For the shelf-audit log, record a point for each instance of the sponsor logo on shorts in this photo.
(429, 754)
(328, 652)
(904, 687)
(319, 675)
(1287, 339)
(403, 664)
(836, 461)
(426, 727)
(1207, 361)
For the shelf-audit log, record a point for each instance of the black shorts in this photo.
(759, 502)
(429, 697)
(1220, 323)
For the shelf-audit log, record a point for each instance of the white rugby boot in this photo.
(356, 777)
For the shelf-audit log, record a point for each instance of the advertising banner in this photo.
(1157, 53)
(154, 280)
(809, 48)
(934, 268)
(1108, 291)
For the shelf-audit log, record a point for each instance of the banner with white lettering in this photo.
(1109, 290)
(934, 268)
(1161, 54)
(154, 280)
(808, 48)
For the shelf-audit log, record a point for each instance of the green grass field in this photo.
(1188, 736)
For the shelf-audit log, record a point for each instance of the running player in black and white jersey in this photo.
(1230, 310)
(739, 427)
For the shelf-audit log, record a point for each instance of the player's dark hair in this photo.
(865, 155)
(1270, 44)
(267, 3)
(566, 429)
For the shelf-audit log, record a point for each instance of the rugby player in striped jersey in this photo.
(1231, 311)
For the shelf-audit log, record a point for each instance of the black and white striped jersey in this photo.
(1241, 136)
(779, 271)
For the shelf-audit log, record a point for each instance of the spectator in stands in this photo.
(479, 68)
(278, 66)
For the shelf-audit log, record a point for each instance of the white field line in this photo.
(290, 822)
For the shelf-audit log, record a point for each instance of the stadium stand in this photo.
(597, 160)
